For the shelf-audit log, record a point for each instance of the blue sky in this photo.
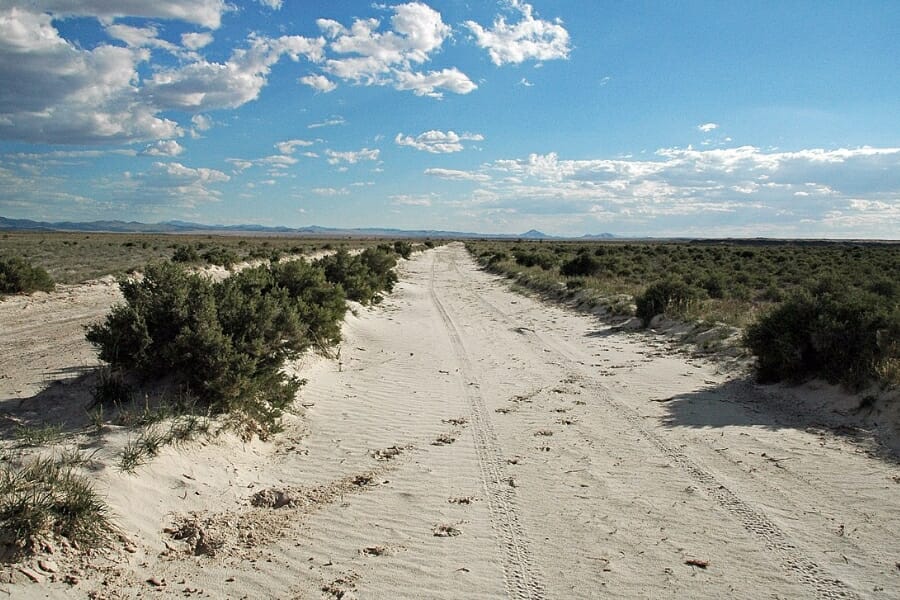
(568, 116)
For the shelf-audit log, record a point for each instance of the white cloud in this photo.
(201, 122)
(195, 40)
(529, 39)
(66, 94)
(352, 157)
(457, 175)
(204, 85)
(525, 83)
(367, 54)
(139, 37)
(707, 127)
(320, 83)
(178, 172)
(207, 13)
(164, 148)
(273, 4)
(328, 123)
(289, 146)
(437, 142)
(412, 200)
(429, 84)
(330, 191)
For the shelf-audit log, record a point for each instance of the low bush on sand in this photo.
(226, 342)
(668, 296)
(842, 335)
(363, 276)
(18, 276)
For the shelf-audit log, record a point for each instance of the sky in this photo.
(690, 118)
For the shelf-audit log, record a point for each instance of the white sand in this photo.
(583, 462)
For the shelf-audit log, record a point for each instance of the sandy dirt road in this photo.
(474, 443)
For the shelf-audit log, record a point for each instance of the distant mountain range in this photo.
(310, 231)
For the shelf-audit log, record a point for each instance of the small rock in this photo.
(48, 566)
(31, 574)
(156, 582)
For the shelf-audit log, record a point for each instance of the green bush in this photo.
(363, 276)
(403, 248)
(225, 342)
(830, 331)
(668, 295)
(185, 253)
(583, 265)
(222, 257)
(18, 276)
(535, 259)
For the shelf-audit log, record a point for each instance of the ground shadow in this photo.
(64, 403)
(742, 402)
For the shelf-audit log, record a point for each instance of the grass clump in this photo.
(18, 276)
(37, 435)
(48, 497)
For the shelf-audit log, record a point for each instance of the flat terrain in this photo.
(469, 442)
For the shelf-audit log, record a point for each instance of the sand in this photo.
(469, 442)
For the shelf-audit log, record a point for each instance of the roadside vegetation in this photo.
(809, 309)
(18, 276)
(186, 357)
(76, 257)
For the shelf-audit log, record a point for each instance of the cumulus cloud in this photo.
(412, 200)
(528, 39)
(195, 40)
(320, 83)
(365, 53)
(431, 83)
(352, 157)
(289, 146)
(679, 188)
(66, 94)
(204, 85)
(273, 4)
(164, 148)
(206, 13)
(707, 127)
(457, 175)
(178, 172)
(330, 191)
(437, 142)
(338, 120)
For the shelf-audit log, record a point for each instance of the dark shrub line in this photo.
(18, 276)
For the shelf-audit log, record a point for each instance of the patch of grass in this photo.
(37, 435)
(47, 497)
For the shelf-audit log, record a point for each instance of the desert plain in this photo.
(467, 441)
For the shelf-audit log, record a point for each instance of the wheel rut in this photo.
(792, 558)
(522, 579)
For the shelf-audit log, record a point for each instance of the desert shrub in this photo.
(225, 342)
(185, 253)
(403, 248)
(429, 244)
(18, 276)
(535, 259)
(583, 265)
(830, 331)
(667, 295)
(48, 497)
(362, 276)
(221, 256)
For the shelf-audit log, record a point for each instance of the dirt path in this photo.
(473, 443)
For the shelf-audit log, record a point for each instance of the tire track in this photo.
(753, 520)
(522, 581)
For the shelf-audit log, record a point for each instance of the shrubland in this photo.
(18, 276)
(808, 308)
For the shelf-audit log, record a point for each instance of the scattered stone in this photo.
(31, 574)
(156, 582)
(445, 531)
(48, 566)
(271, 498)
